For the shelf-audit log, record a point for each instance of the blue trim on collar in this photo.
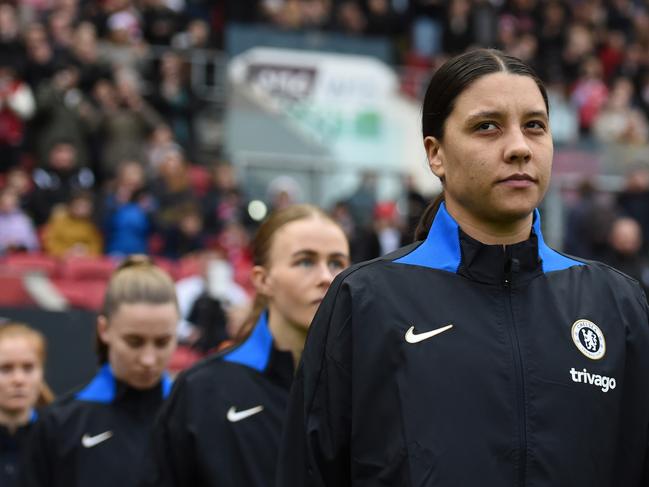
(551, 260)
(166, 383)
(255, 351)
(102, 387)
(441, 249)
(33, 417)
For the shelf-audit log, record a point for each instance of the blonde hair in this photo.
(136, 280)
(262, 244)
(13, 329)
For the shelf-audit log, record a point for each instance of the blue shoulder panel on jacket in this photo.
(33, 417)
(167, 383)
(255, 351)
(441, 249)
(551, 259)
(101, 388)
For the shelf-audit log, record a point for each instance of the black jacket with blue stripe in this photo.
(222, 424)
(94, 437)
(451, 363)
(12, 446)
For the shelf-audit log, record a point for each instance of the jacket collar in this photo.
(258, 352)
(449, 249)
(105, 388)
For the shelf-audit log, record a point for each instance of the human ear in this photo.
(261, 280)
(435, 155)
(102, 328)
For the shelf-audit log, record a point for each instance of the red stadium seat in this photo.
(189, 266)
(13, 292)
(87, 268)
(44, 263)
(83, 294)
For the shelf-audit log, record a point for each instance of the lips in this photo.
(518, 180)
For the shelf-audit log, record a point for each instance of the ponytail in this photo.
(427, 217)
(45, 395)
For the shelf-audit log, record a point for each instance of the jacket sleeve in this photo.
(169, 460)
(315, 449)
(36, 461)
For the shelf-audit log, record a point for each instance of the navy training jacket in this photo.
(451, 363)
(94, 437)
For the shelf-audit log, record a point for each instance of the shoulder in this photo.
(210, 374)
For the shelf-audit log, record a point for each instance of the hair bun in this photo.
(135, 260)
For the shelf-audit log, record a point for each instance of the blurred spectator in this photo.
(17, 104)
(588, 224)
(563, 116)
(415, 204)
(224, 201)
(363, 200)
(64, 112)
(58, 180)
(126, 120)
(457, 32)
(174, 99)
(350, 18)
(195, 36)
(382, 20)
(172, 192)
(159, 22)
(40, 61)
(625, 252)
(187, 236)
(283, 191)
(383, 236)
(125, 211)
(619, 121)
(633, 200)
(71, 231)
(19, 180)
(589, 93)
(91, 67)
(552, 36)
(17, 231)
(160, 142)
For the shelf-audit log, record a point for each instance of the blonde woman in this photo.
(96, 436)
(22, 390)
(222, 425)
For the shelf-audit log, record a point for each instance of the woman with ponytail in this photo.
(97, 435)
(477, 355)
(222, 424)
(22, 391)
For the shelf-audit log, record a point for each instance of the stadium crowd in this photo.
(98, 146)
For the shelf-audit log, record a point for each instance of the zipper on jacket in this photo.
(512, 266)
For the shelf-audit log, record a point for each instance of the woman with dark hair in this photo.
(478, 355)
(222, 424)
(22, 391)
(97, 435)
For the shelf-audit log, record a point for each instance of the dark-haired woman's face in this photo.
(496, 154)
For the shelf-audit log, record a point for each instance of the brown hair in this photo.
(136, 280)
(450, 81)
(14, 329)
(262, 244)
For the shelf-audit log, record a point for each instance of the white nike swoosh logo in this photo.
(90, 441)
(411, 337)
(234, 415)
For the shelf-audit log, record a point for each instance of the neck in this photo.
(12, 420)
(491, 233)
(288, 337)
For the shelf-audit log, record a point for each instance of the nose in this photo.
(517, 149)
(326, 275)
(148, 357)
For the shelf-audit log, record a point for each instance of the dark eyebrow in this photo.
(494, 114)
(313, 253)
